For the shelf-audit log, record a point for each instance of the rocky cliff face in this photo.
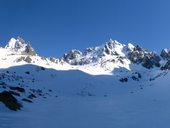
(110, 50)
(113, 51)
(165, 54)
(141, 56)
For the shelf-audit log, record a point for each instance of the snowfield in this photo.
(91, 101)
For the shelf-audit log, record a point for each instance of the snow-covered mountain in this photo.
(108, 57)
(20, 47)
(105, 86)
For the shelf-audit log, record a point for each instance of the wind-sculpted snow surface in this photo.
(109, 86)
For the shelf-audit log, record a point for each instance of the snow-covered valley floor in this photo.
(147, 108)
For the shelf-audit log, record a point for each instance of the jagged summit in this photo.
(110, 49)
(115, 53)
(20, 46)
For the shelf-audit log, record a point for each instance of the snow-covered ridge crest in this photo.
(105, 59)
(113, 55)
(20, 46)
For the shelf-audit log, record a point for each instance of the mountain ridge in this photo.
(110, 55)
(100, 87)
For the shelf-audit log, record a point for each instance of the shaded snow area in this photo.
(146, 109)
(78, 100)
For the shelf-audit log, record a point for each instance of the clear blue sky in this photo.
(55, 26)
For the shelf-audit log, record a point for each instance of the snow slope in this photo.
(89, 95)
(92, 101)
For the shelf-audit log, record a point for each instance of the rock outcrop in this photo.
(166, 66)
(73, 57)
(10, 101)
(165, 54)
(141, 56)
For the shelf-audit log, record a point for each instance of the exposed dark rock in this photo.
(29, 50)
(90, 94)
(109, 47)
(31, 96)
(4, 87)
(73, 57)
(166, 66)
(139, 75)
(2, 83)
(26, 100)
(135, 78)
(42, 68)
(147, 63)
(88, 51)
(19, 89)
(165, 54)
(147, 59)
(14, 93)
(105, 95)
(121, 60)
(27, 72)
(123, 80)
(20, 59)
(54, 60)
(28, 59)
(10, 101)
(136, 56)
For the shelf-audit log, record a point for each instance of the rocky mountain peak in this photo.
(73, 54)
(130, 47)
(17, 43)
(20, 46)
(165, 54)
(144, 57)
(113, 47)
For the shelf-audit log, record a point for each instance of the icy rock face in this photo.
(113, 47)
(166, 66)
(73, 57)
(130, 47)
(26, 59)
(55, 60)
(95, 55)
(19, 46)
(114, 52)
(141, 56)
(165, 54)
